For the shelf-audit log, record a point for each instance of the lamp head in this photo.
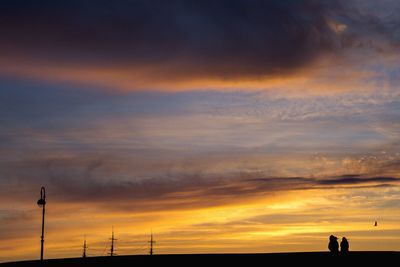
(42, 200)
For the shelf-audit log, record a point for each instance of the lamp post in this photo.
(42, 203)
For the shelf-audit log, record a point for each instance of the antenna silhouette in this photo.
(151, 243)
(84, 248)
(112, 243)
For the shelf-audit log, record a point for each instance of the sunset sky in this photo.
(221, 126)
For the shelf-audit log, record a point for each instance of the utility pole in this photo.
(151, 243)
(84, 248)
(112, 243)
(42, 203)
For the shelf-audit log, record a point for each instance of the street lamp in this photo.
(42, 203)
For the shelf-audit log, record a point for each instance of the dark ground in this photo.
(272, 259)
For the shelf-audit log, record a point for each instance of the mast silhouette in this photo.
(84, 248)
(151, 243)
(112, 243)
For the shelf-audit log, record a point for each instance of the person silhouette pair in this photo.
(334, 245)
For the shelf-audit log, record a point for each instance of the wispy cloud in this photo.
(111, 182)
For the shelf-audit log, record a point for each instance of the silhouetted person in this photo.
(344, 245)
(333, 244)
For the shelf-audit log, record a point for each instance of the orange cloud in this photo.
(322, 77)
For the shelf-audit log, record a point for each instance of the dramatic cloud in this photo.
(136, 184)
(136, 45)
(217, 38)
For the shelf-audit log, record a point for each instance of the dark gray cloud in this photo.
(312, 183)
(223, 38)
(371, 23)
(356, 179)
(100, 180)
(165, 45)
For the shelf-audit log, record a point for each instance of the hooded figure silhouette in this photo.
(344, 245)
(333, 244)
